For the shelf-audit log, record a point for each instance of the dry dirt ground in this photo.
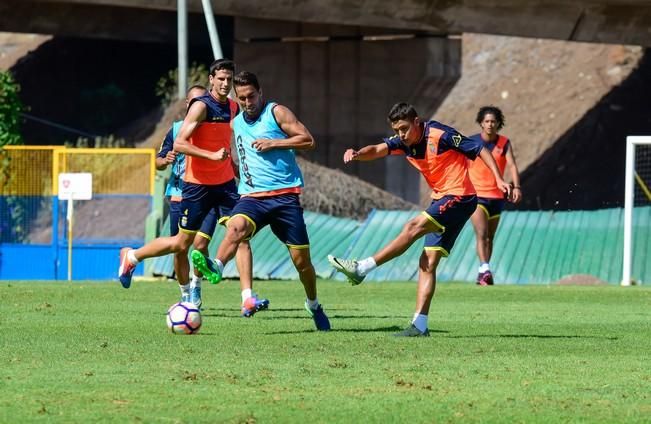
(544, 87)
(580, 280)
(13, 46)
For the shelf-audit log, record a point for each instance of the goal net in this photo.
(637, 211)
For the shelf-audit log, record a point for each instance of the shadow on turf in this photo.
(272, 313)
(298, 313)
(527, 336)
(205, 310)
(391, 329)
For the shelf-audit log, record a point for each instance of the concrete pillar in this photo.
(341, 85)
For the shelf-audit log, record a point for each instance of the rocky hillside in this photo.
(545, 88)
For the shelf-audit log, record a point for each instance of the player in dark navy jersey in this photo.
(490, 199)
(440, 153)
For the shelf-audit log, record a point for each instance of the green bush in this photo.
(167, 87)
(10, 109)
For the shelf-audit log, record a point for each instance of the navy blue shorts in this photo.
(175, 214)
(283, 213)
(214, 217)
(449, 214)
(492, 207)
(199, 200)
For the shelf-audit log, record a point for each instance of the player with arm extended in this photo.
(439, 152)
(266, 135)
(209, 180)
(490, 199)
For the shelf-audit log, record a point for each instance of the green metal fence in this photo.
(531, 247)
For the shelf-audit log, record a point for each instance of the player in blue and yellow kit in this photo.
(439, 152)
(490, 199)
(266, 135)
(209, 180)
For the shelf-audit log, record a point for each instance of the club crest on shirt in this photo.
(456, 140)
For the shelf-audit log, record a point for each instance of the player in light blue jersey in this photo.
(266, 135)
(191, 290)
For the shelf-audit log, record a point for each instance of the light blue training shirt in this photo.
(260, 172)
(175, 183)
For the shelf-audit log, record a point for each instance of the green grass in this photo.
(93, 352)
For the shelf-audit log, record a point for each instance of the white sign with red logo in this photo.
(76, 186)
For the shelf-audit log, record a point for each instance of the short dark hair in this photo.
(246, 78)
(196, 87)
(220, 64)
(400, 111)
(491, 110)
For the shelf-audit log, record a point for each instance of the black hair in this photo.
(246, 78)
(400, 111)
(491, 110)
(220, 64)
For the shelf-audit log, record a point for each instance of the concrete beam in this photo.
(603, 21)
(97, 21)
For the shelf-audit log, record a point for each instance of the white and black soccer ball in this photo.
(183, 318)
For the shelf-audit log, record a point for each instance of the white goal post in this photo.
(629, 199)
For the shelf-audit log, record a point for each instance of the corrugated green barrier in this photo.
(531, 247)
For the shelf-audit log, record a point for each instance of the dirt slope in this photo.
(543, 87)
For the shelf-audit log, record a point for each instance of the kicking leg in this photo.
(129, 258)
(412, 231)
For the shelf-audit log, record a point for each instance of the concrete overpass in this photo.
(602, 21)
(341, 64)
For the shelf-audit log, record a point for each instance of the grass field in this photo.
(94, 352)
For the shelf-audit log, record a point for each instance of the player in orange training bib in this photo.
(490, 199)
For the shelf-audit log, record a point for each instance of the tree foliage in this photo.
(167, 85)
(10, 109)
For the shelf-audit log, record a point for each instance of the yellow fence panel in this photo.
(34, 170)
(26, 170)
(29, 183)
(115, 171)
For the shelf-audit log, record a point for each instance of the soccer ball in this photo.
(183, 318)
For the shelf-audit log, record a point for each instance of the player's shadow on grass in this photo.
(390, 329)
(298, 313)
(528, 336)
(231, 309)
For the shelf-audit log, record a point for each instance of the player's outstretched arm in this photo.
(488, 159)
(298, 136)
(366, 153)
(516, 197)
(195, 116)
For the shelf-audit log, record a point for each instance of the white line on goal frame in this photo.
(629, 189)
